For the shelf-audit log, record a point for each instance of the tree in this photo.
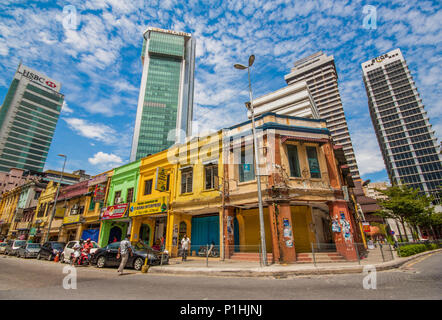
(404, 204)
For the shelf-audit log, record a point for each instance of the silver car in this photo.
(30, 250)
(3, 247)
(11, 249)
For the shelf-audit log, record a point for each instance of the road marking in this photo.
(417, 261)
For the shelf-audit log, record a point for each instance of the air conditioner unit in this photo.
(75, 206)
(118, 200)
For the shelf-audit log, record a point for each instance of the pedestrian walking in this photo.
(185, 244)
(124, 251)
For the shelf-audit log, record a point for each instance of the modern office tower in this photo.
(319, 71)
(165, 103)
(408, 145)
(28, 118)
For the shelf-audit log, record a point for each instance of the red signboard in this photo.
(366, 226)
(114, 212)
(100, 192)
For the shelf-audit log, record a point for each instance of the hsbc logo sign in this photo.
(50, 84)
(37, 78)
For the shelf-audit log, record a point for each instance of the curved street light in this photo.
(257, 173)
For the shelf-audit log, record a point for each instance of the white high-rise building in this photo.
(28, 118)
(406, 138)
(319, 71)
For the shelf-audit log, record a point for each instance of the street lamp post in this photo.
(55, 201)
(257, 170)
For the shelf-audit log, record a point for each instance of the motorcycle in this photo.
(213, 252)
(82, 259)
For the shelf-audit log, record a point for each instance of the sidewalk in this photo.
(196, 266)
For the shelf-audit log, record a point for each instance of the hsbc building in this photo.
(28, 117)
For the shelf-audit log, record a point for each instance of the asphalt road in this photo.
(33, 279)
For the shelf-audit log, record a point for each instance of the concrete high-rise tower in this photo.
(28, 118)
(319, 71)
(407, 141)
(165, 103)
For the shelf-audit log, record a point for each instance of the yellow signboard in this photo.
(71, 219)
(153, 206)
(161, 180)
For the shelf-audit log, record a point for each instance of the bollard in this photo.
(145, 268)
(207, 255)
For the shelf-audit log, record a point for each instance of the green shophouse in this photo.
(115, 222)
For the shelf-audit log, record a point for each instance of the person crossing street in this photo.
(124, 251)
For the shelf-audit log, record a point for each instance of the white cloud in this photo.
(95, 131)
(103, 159)
(65, 108)
(366, 147)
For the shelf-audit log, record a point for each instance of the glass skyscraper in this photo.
(408, 144)
(28, 118)
(165, 103)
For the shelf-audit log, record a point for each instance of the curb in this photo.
(217, 272)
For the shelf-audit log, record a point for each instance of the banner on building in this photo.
(153, 206)
(100, 192)
(71, 219)
(114, 212)
(161, 179)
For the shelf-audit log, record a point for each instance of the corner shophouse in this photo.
(123, 187)
(301, 186)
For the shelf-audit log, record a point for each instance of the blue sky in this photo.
(99, 63)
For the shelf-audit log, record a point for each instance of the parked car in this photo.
(107, 256)
(29, 250)
(3, 247)
(13, 246)
(69, 249)
(50, 249)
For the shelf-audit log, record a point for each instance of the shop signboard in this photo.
(71, 219)
(114, 212)
(100, 192)
(153, 206)
(161, 179)
(366, 226)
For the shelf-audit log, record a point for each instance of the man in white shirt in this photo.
(123, 251)
(185, 244)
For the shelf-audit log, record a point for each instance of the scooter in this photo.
(82, 259)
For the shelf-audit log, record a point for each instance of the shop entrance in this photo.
(205, 231)
(160, 228)
(145, 233)
(115, 234)
(301, 218)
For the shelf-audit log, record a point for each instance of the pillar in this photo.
(135, 229)
(281, 232)
(332, 169)
(172, 233)
(344, 241)
(229, 239)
